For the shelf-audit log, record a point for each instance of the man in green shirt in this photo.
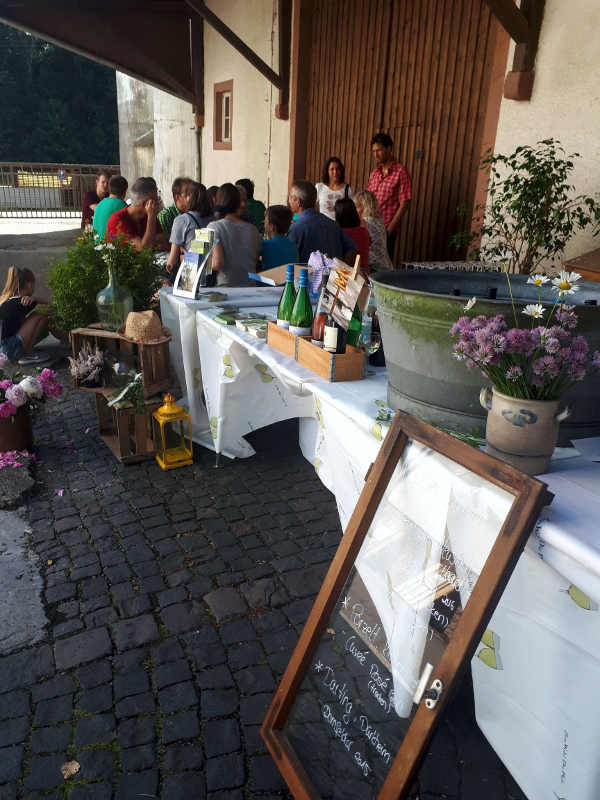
(117, 188)
(167, 216)
(256, 209)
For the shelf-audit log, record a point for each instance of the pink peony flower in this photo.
(16, 396)
(7, 410)
(5, 384)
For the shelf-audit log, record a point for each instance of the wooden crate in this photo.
(281, 339)
(128, 434)
(151, 359)
(349, 366)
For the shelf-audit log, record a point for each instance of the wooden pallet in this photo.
(152, 359)
(127, 434)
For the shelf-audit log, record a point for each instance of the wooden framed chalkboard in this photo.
(428, 551)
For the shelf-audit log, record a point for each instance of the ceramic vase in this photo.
(521, 432)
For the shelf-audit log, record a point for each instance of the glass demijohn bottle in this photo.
(114, 302)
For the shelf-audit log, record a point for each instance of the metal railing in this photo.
(46, 190)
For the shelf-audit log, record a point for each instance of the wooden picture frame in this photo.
(529, 494)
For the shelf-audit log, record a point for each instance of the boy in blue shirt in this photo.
(277, 249)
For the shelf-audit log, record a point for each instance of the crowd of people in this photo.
(329, 216)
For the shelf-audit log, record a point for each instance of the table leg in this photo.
(218, 463)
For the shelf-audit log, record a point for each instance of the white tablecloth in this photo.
(537, 670)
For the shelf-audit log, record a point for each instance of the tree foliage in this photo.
(532, 210)
(57, 107)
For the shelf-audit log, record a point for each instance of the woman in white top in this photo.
(368, 210)
(333, 187)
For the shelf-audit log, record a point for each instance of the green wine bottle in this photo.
(288, 298)
(354, 327)
(302, 316)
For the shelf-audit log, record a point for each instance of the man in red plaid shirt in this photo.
(391, 185)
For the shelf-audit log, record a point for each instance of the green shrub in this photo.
(76, 279)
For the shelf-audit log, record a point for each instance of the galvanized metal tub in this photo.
(416, 308)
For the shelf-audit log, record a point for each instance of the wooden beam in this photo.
(234, 40)
(524, 58)
(301, 59)
(511, 18)
(284, 27)
(519, 81)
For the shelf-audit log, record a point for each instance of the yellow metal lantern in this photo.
(172, 436)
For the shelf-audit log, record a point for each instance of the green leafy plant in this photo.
(532, 210)
(76, 279)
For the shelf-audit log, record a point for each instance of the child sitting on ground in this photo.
(21, 326)
(277, 249)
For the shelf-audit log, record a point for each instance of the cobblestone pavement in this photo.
(175, 600)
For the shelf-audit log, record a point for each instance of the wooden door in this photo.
(419, 70)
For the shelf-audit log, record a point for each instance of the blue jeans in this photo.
(12, 347)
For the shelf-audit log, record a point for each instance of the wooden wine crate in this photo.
(152, 359)
(282, 340)
(127, 434)
(349, 366)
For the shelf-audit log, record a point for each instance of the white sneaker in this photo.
(33, 359)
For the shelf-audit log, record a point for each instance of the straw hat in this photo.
(144, 326)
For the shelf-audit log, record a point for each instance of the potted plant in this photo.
(530, 369)
(532, 210)
(77, 279)
(19, 396)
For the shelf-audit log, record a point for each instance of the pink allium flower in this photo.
(551, 345)
(7, 410)
(498, 342)
(514, 373)
(566, 317)
(16, 396)
(579, 345)
(596, 360)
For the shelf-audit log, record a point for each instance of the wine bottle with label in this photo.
(320, 315)
(301, 319)
(334, 336)
(288, 298)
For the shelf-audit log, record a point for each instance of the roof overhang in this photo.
(157, 41)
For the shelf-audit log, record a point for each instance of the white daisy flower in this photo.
(538, 280)
(535, 310)
(99, 247)
(109, 246)
(470, 304)
(565, 283)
